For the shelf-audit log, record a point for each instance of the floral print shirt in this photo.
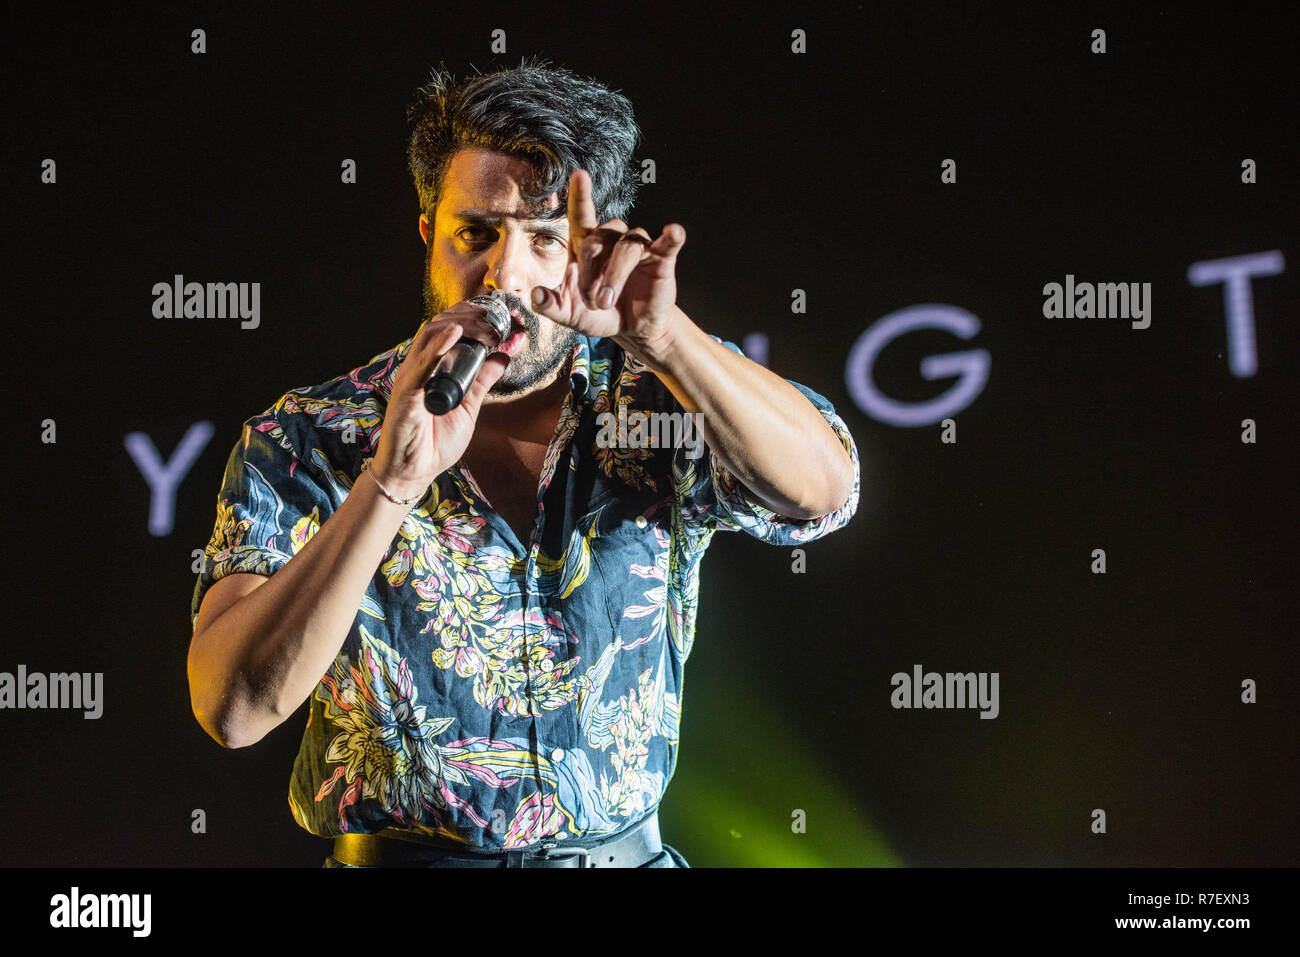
(494, 692)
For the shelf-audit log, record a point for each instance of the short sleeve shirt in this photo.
(493, 692)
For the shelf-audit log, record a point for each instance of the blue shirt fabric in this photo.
(492, 692)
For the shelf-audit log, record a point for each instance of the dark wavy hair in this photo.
(545, 114)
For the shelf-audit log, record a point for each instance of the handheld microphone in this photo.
(462, 362)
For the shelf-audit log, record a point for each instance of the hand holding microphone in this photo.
(462, 362)
(416, 445)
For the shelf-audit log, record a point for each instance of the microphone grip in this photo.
(462, 362)
(451, 379)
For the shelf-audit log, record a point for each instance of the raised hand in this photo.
(636, 276)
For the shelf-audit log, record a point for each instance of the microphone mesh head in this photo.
(497, 314)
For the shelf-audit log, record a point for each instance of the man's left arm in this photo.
(762, 429)
(621, 282)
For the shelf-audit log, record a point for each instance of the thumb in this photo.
(545, 302)
(494, 367)
(552, 303)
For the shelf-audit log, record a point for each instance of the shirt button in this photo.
(546, 664)
(641, 522)
(557, 754)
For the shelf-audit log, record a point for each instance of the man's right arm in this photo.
(259, 650)
(261, 644)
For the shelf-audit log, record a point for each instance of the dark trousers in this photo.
(668, 857)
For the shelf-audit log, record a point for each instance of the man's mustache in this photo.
(530, 321)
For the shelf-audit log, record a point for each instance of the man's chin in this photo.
(518, 379)
(501, 387)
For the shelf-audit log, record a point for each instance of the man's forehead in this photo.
(494, 216)
(485, 186)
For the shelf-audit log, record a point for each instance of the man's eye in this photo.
(555, 243)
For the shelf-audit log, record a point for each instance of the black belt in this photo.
(394, 848)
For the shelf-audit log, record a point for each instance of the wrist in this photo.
(659, 353)
(394, 492)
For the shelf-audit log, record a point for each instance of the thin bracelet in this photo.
(365, 467)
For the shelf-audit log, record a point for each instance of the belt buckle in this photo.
(544, 853)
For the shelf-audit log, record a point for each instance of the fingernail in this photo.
(605, 298)
(538, 297)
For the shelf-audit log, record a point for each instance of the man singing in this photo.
(489, 611)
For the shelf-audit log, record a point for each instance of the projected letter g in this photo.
(972, 366)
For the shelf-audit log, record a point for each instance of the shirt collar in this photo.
(579, 368)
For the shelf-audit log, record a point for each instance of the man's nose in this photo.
(508, 271)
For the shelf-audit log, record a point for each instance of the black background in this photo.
(817, 171)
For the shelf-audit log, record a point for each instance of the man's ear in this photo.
(424, 228)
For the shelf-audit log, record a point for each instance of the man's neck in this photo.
(518, 416)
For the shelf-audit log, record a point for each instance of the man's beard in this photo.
(527, 367)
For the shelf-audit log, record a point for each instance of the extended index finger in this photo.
(582, 209)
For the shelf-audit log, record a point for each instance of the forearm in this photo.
(260, 659)
(760, 427)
